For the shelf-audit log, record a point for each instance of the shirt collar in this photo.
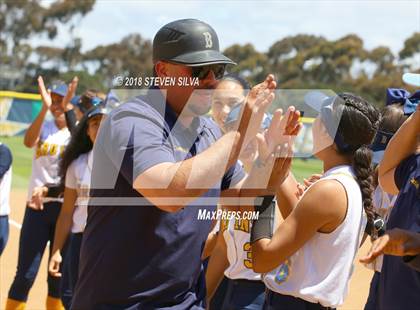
(156, 99)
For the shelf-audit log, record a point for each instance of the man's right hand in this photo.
(281, 132)
(257, 102)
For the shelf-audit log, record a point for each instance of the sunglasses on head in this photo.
(203, 71)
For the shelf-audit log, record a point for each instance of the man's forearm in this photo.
(258, 180)
(413, 243)
(184, 181)
(207, 168)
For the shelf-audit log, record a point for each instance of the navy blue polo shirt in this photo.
(5, 159)
(135, 256)
(399, 286)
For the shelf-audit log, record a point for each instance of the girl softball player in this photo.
(308, 261)
(229, 93)
(48, 138)
(75, 170)
(242, 287)
(231, 257)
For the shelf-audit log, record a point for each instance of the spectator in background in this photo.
(5, 184)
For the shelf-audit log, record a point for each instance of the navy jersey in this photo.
(5, 179)
(133, 255)
(399, 286)
(5, 159)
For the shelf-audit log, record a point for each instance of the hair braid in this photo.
(363, 169)
(361, 117)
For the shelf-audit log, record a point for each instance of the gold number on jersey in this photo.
(248, 260)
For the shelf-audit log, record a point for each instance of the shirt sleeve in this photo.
(138, 141)
(233, 176)
(71, 180)
(151, 146)
(5, 159)
(404, 169)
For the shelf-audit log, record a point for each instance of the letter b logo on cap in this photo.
(207, 37)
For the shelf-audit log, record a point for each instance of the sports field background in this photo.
(359, 285)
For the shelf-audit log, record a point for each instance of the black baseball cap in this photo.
(189, 42)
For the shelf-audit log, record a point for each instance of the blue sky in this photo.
(261, 23)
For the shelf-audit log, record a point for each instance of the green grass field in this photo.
(22, 160)
(22, 157)
(304, 168)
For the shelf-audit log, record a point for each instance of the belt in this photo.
(247, 282)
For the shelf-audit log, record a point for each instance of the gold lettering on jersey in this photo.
(242, 225)
(53, 149)
(248, 259)
(48, 149)
(224, 225)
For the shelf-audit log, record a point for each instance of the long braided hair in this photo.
(357, 128)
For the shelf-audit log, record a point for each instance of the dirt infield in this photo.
(359, 285)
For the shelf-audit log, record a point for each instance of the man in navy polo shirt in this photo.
(157, 162)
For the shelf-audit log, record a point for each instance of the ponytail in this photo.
(357, 128)
(362, 166)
